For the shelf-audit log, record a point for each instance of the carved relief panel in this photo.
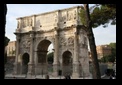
(68, 15)
(70, 43)
(66, 43)
(25, 42)
(63, 41)
(71, 15)
(26, 22)
(55, 17)
(71, 40)
(63, 17)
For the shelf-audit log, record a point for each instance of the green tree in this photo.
(50, 57)
(112, 56)
(13, 52)
(113, 52)
(108, 58)
(103, 59)
(113, 48)
(6, 41)
(5, 54)
(100, 16)
(104, 15)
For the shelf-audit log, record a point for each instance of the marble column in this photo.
(56, 55)
(35, 61)
(31, 59)
(16, 64)
(75, 59)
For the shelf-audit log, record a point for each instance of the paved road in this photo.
(107, 77)
(43, 77)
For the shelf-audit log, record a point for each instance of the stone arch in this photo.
(38, 42)
(42, 50)
(67, 62)
(67, 39)
(25, 61)
(69, 50)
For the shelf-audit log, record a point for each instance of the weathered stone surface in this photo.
(61, 29)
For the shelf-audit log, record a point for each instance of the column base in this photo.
(55, 70)
(31, 70)
(17, 68)
(75, 75)
(76, 72)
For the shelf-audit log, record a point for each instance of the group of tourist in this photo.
(111, 73)
(67, 77)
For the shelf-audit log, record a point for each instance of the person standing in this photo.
(110, 77)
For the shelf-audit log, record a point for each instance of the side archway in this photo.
(25, 61)
(67, 63)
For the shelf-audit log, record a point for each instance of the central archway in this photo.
(25, 61)
(67, 63)
(42, 51)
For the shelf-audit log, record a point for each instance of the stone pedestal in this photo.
(17, 67)
(31, 68)
(55, 69)
(41, 69)
(75, 71)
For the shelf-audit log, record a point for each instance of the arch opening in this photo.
(67, 63)
(44, 50)
(25, 61)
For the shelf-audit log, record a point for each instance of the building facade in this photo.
(103, 50)
(11, 53)
(11, 48)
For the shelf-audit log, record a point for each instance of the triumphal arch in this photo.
(64, 30)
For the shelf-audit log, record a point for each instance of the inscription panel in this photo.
(46, 21)
(25, 22)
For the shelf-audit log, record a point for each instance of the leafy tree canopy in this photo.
(6, 41)
(113, 45)
(112, 56)
(102, 14)
(50, 57)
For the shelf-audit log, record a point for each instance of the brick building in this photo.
(103, 50)
(10, 49)
(11, 53)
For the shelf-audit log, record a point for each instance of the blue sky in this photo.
(102, 35)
